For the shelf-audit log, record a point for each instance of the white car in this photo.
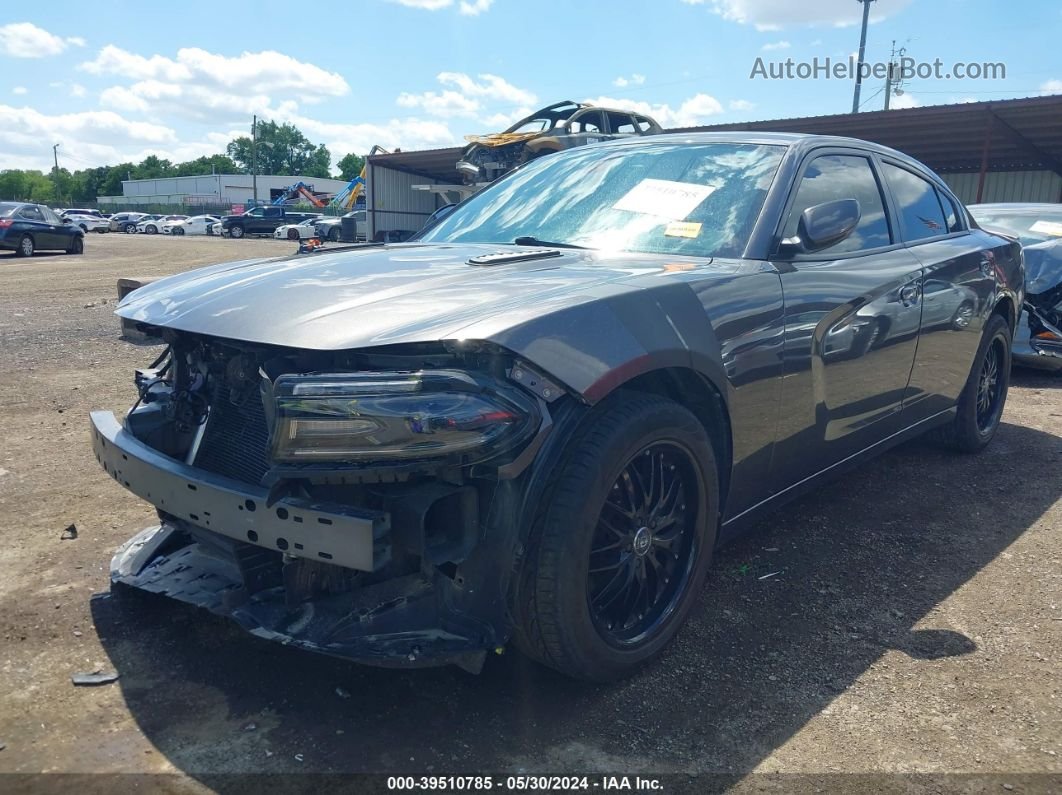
(152, 226)
(196, 225)
(89, 223)
(301, 231)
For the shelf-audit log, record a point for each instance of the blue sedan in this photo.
(26, 228)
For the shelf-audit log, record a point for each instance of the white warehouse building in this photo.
(213, 189)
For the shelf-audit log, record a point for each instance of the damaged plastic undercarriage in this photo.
(405, 561)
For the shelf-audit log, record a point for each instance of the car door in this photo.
(61, 234)
(958, 290)
(852, 321)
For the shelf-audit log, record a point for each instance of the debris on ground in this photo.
(250, 726)
(768, 576)
(342, 693)
(69, 534)
(94, 678)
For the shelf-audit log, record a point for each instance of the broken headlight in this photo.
(364, 417)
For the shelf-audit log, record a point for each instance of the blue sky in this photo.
(117, 81)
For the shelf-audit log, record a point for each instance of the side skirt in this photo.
(736, 525)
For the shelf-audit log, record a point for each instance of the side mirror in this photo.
(824, 225)
(67, 221)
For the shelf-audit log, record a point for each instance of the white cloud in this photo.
(692, 112)
(77, 90)
(93, 137)
(904, 100)
(778, 14)
(397, 133)
(776, 45)
(208, 87)
(20, 90)
(26, 40)
(475, 7)
(634, 80)
(470, 8)
(464, 95)
(1051, 87)
(427, 5)
(740, 105)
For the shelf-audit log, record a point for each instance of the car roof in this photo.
(797, 142)
(1017, 207)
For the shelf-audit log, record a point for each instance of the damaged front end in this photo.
(1038, 339)
(341, 502)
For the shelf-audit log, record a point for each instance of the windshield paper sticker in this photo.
(663, 198)
(1052, 228)
(682, 229)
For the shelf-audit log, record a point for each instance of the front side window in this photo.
(696, 199)
(50, 216)
(921, 215)
(831, 177)
(590, 122)
(31, 213)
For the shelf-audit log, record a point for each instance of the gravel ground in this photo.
(914, 625)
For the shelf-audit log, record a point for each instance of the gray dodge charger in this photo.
(537, 421)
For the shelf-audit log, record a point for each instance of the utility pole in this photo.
(254, 158)
(894, 82)
(862, 54)
(55, 154)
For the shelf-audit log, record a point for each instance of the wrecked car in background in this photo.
(537, 421)
(1038, 339)
(560, 126)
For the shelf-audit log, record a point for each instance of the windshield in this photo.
(693, 199)
(1035, 226)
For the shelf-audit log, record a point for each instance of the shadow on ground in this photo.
(858, 564)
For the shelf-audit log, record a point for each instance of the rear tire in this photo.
(619, 552)
(982, 400)
(25, 247)
(333, 235)
(129, 229)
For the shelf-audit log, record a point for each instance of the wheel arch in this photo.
(694, 391)
(1006, 308)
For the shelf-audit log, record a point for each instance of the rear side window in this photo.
(831, 177)
(951, 212)
(921, 215)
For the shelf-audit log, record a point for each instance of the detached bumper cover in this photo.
(336, 534)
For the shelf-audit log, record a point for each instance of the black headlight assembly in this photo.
(442, 416)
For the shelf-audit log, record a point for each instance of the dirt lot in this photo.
(914, 624)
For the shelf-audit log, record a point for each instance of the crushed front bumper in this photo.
(337, 534)
(222, 547)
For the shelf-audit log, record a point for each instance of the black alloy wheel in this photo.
(990, 387)
(644, 544)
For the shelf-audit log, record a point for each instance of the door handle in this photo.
(909, 294)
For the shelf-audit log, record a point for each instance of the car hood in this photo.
(377, 295)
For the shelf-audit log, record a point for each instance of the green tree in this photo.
(153, 167)
(282, 149)
(350, 166)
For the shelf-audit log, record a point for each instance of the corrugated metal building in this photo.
(211, 189)
(1000, 151)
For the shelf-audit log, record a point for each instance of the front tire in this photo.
(151, 229)
(982, 400)
(178, 231)
(618, 555)
(236, 232)
(293, 234)
(77, 245)
(333, 235)
(129, 229)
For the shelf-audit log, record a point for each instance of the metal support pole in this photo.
(862, 54)
(254, 158)
(984, 157)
